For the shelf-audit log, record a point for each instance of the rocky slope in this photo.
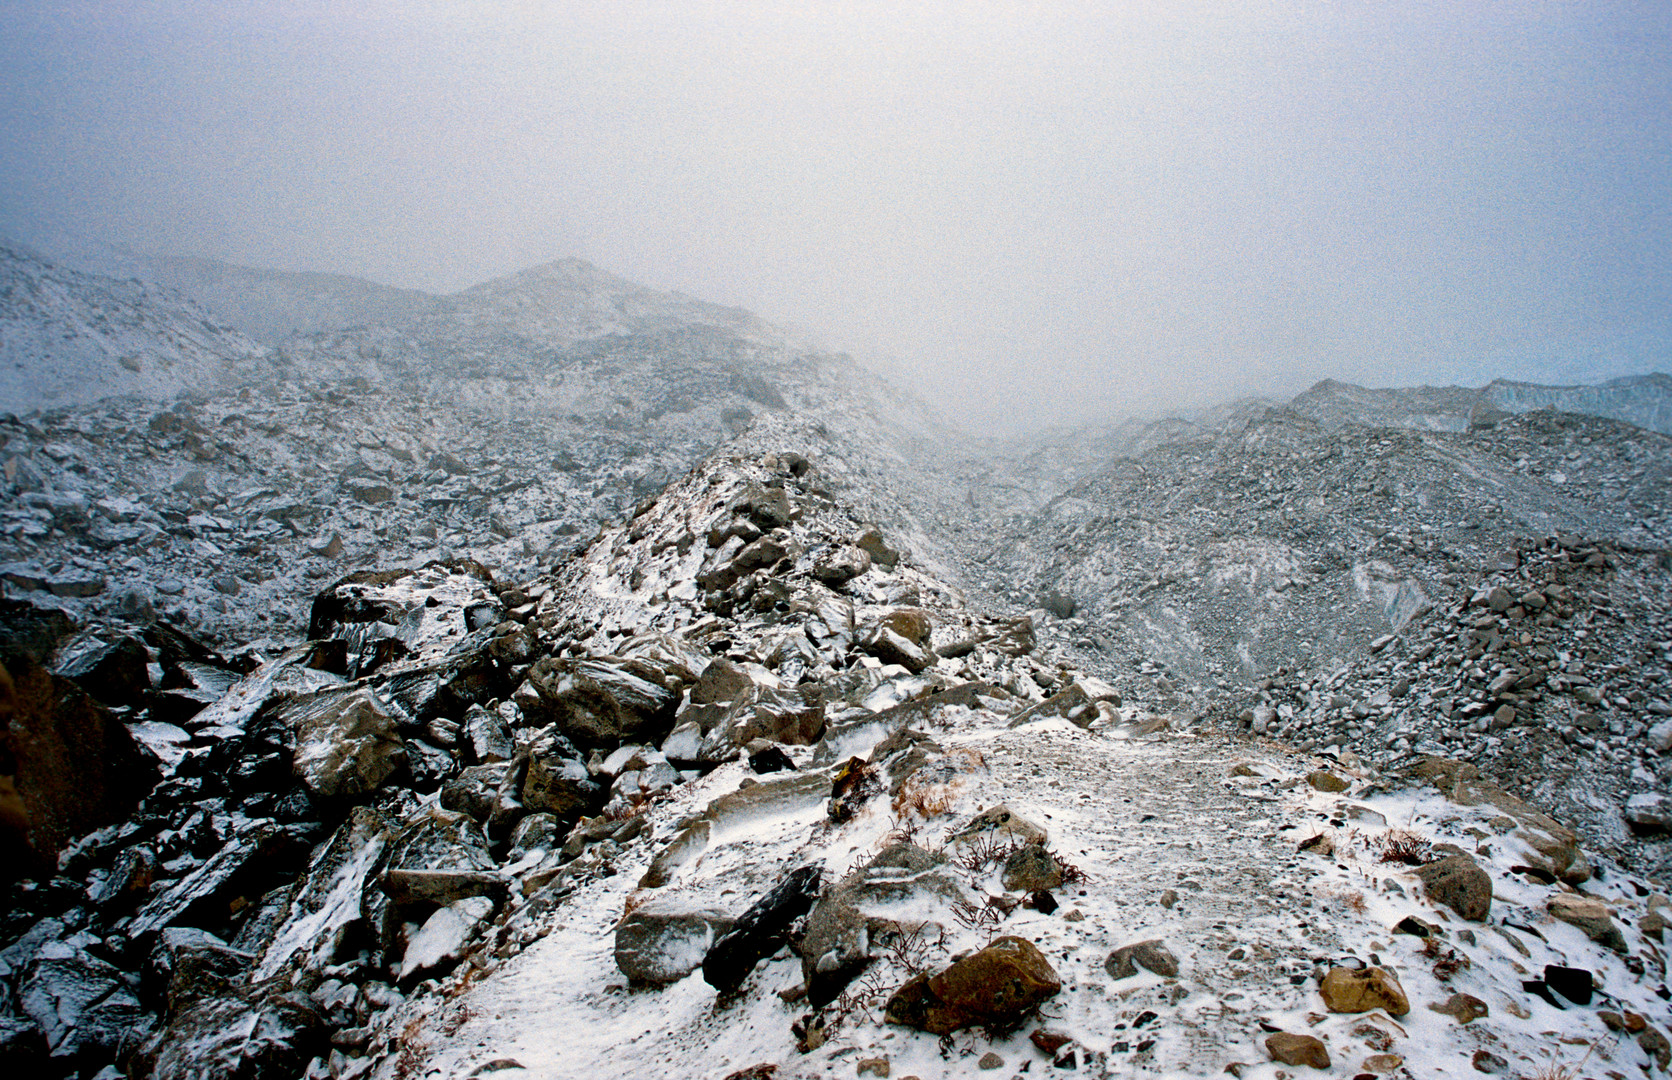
(740, 791)
(561, 656)
(70, 338)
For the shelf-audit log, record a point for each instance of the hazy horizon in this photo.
(1031, 214)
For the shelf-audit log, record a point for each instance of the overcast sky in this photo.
(1042, 210)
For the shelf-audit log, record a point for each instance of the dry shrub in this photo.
(1351, 899)
(411, 1052)
(1403, 846)
(1071, 874)
(983, 852)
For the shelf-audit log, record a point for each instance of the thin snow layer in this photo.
(1253, 920)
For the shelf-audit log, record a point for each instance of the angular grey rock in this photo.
(347, 742)
(666, 939)
(442, 941)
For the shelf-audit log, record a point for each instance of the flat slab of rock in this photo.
(441, 886)
(441, 942)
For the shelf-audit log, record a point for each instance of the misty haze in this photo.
(745, 541)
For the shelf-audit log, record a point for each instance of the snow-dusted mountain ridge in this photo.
(564, 678)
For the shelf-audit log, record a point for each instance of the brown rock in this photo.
(1460, 885)
(877, 1066)
(1030, 869)
(1151, 955)
(990, 1060)
(1382, 1063)
(1656, 1046)
(1326, 781)
(1464, 1008)
(997, 985)
(910, 623)
(720, 681)
(67, 766)
(1590, 916)
(1297, 1050)
(1348, 991)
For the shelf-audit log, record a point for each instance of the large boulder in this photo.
(997, 986)
(666, 939)
(1458, 883)
(67, 766)
(599, 703)
(259, 1031)
(347, 742)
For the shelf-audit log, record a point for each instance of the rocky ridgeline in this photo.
(742, 786)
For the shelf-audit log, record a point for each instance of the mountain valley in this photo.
(562, 677)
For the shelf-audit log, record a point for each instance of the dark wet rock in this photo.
(111, 667)
(1573, 983)
(600, 703)
(666, 939)
(769, 759)
(83, 1006)
(347, 742)
(23, 1047)
(1458, 883)
(260, 1031)
(760, 930)
(74, 766)
(998, 986)
(251, 862)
